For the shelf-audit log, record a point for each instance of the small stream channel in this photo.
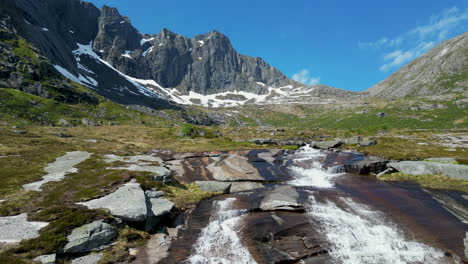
(346, 219)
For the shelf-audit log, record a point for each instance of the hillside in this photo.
(442, 70)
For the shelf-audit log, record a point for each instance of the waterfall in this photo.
(359, 235)
(307, 169)
(219, 241)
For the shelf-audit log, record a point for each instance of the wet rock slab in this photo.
(283, 197)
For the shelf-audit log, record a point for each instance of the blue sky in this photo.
(342, 43)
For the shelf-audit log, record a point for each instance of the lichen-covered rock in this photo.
(88, 259)
(46, 259)
(128, 202)
(158, 210)
(90, 237)
(369, 164)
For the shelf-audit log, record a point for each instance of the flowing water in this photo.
(356, 216)
(219, 242)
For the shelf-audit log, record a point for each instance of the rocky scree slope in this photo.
(443, 69)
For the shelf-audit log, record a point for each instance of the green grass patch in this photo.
(430, 181)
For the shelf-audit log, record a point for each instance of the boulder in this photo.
(368, 143)
(234, 168)
(154, 194)
(128, 202)
(158, 209)
(352, 141)
(46, 259)
(63, 122)
(88, 259)
(327, 144)
(214, 186)
(90, 237)
(283, 197)
(454, 171)
(369, 164)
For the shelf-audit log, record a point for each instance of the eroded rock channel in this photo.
(299, 207)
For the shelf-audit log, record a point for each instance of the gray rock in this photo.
(90, 237)
(368, 143)
(327, 144)
(370, 164)
(128, 202)
(352, 141)
(245, 186)
(465, 242)
(387, 171)
(46, 259)
(19, 132)
(158, 209)
(63, 122)
(282, 197)
(454, 171)
(214, 186)
(88, 259)
(13, 229)
(443, 160)
(62, 135)
(154, 194)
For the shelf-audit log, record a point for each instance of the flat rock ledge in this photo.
(57, 170)
(454, 171)
(90, 237)
(13, 229)
(282, 197)
(214, 186)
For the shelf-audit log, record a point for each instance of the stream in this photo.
(343, 218)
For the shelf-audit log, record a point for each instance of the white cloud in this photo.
(399, 57)
(304, 77)
(417, 41)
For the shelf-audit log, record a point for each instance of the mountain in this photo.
(99, 48)
(443, 69)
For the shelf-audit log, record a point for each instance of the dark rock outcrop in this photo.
(369, 164)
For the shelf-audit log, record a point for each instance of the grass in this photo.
(430, 181)
(128, 238)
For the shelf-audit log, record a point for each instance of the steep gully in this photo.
(342, 218)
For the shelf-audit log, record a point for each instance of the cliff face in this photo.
(102, 50)
(443, 69)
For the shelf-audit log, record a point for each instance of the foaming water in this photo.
(219, 242)
(310, 171)
(359, 235)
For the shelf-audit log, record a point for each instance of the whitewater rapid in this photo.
(219, 242)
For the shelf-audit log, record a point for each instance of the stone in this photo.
(385, 172)
(368, 143)
(13, 229)
(283, 197)
(154, 194)
(128, 203)
(158, 209)
(63, 122)
(245, 186)
(90, 237)
(234, 168)
(19, 132)
(88, 259)
(443, 160)
(327, 144)
(454, 171)
(46, 259)
(62, 135)
(369, 164)
(465, 242)
(213, 186)
(57, 170)
(352, 141)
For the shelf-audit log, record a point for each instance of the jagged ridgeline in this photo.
(100, 49)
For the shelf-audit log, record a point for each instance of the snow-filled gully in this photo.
(357, 233)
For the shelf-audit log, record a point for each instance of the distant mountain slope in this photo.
(443, 69)
(103, 51)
